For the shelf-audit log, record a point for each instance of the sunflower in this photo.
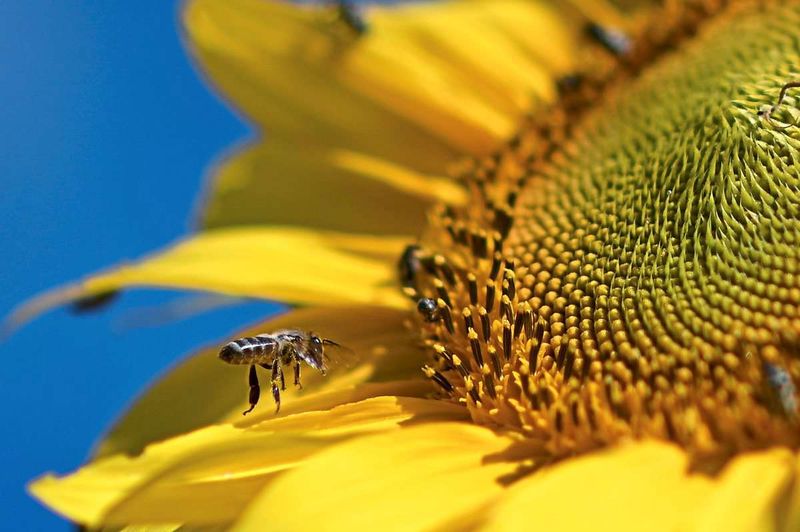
(595, 209)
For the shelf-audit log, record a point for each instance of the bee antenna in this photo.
(325, 341)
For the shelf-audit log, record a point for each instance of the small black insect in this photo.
(94, 302)
(350, 14)
(409, 265)
(272, 352)
(767, 113)
(782, 390)
(429, 309)
(612, 39)
(569, 83)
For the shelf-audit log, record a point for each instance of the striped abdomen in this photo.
(250, 350)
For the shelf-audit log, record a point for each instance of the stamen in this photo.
(467, 315)
(506, 312)
(473, 393)
(569, 363)
(519, 321)
(488, 383)
(560, 355)
(509, 284)
(490, 295)
(439, 379)
(498, 368)
(442, 291)
(533, 356)
(480, 244)
(459, 365)
(502, 222)
(506, 340)
(485, 323)
(462, 235)
(475, 345)
(497, 261)
(444, 312)
(446, 270)
(473, 288)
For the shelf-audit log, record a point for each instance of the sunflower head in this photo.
(629, 267)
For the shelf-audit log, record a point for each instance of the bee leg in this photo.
(283, 381)
(255, 390)
(276, 393)
(297, 375)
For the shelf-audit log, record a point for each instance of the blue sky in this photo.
(106, 132)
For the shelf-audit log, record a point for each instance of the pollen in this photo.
(628, 265)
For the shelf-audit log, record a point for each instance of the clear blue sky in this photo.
(105, 132)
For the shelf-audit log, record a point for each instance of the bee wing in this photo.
(337, 355)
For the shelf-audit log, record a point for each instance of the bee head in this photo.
(316, 353)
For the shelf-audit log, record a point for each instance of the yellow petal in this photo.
(401, 178)
(463, 71)
(749, 494)
(468, 70)
(273, 60)
(154, 528)
(203, 390)
(276, 182)
(647, 486)
(427, 84)
(286, 264)
(278, 62)
(413, 479)
(210, 475)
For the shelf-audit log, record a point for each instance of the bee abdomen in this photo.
(246, 350)
(249, 343)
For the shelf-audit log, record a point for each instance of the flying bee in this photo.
(272, 352)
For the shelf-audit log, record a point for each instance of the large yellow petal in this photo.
(202, 390)
(413, 479)
(276, 182)
(648, 486)
(210, 475)
(749, 495)
(428, 83)
(287, 264)
(463, 71)
(469, 70)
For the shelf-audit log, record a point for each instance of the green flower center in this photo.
(630, 268)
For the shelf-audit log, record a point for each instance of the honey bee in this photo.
(272, 352)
